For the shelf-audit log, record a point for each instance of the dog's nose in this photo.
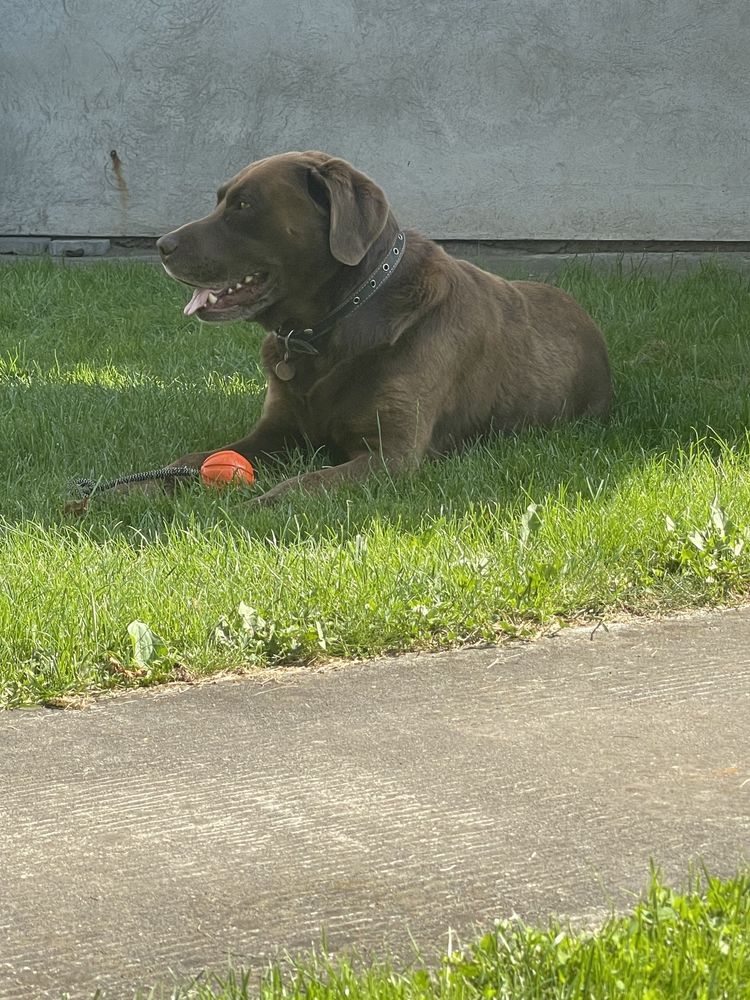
(167, 244)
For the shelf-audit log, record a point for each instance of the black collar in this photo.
(298, 340)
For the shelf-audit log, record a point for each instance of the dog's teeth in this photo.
(212, 298)
(249, 278)
(238, 286)
(229, 291)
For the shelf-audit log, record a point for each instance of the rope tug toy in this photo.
(89, 487)
(218, 470)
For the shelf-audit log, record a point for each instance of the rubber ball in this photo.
(226, 467)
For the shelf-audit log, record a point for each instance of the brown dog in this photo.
(383, 348)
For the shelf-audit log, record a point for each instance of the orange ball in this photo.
(226, 467)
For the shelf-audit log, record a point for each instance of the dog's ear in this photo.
(358, 208)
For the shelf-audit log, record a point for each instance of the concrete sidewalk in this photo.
(167, 830)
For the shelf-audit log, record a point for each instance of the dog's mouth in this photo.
(236, 298)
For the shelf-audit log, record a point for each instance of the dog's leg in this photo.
(270, 437)
(356, 470)
(267, 440)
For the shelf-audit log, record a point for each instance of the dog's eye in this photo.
(244, 204)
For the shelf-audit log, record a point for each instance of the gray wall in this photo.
(502, 119)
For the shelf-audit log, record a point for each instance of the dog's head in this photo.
(281, 230)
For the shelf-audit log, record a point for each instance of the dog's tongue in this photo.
(199, 299)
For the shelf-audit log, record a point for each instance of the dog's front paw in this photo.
(194, 460)
(267, 499)
(275, 494)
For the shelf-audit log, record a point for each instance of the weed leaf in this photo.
(147, 645)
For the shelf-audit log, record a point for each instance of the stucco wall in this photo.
(502, 119)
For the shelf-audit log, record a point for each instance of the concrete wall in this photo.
(501, 119)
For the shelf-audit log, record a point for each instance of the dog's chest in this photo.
(331, 407)
(316, 400)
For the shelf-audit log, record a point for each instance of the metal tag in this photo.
(285, 371)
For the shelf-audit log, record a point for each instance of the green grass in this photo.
(674, 946)
(100, 374)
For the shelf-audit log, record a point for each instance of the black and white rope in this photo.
(88, 487)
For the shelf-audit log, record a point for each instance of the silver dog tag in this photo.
(285, 371)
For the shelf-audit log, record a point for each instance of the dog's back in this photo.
(494, 355)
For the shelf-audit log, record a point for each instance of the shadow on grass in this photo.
(577, 463)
